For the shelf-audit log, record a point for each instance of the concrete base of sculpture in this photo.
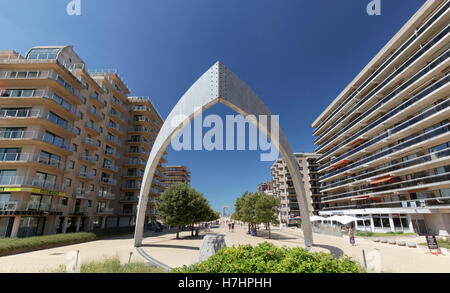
(211, 244)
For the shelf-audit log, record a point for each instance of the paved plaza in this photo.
(177, 252)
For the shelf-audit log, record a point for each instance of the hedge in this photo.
(267, 258)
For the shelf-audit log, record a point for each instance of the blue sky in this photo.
(297, 55)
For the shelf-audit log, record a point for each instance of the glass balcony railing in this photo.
(41, 94)
(391, 132)
(31, 158)
(420, 203)
(27, 181)
(112, 153)
(394, 168)
(416, 35)
(113, 140)
(421, 95)
(392, 187)
(402, 68)
(107, 180)
(115, 126)
(90, 141)
(93, 126)
(415, 140)
(106, 195)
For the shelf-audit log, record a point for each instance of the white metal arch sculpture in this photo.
(219, 85)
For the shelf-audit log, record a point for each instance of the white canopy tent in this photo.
(316, 218)
(344, 220)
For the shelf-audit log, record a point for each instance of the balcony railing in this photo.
(31, 158)
(405, 45)
(115, 126)
(106, 180)
(41, 94)
(415, 140)
(13, 206)
(129, 198)
(403, 67)
(106, 195)
(113, 140)
(105, 211)
(98, 98)
(30, 135)
(26, 181)
(93, 126)
(422, 203)
(423, 94)
(91, 141)
(112, 153)
(111, 167)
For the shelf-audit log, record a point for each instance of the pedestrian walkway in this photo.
(184, 251)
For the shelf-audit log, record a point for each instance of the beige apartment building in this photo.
(176, 174)
(283, 187)
(73, 145)
(384, 142)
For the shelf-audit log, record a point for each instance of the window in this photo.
(11, 132)
(58, 120)
(94, 172)
(9, 154)
(68, 182)
(43, 53)
(49, 159)
(7, 177)
(92, 187)
(44, 180)
(77, 130)
(53, 139)
(75, 148)
(71, 165)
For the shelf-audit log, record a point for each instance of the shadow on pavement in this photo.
(171, 246)
(336, 251)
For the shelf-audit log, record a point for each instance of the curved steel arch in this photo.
(219, 85)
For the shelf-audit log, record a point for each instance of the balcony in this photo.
(86, 175)
(129, 199)
(31, 207)
(397, 149)
(89, 159)
(27, 181)
(116, 129)
(135, 162)
(106, 180)
(15, 158)
(82, 194)
(414, 38)
(105, 211)
(92, 128)
(95, 115)
(119, 118)
(112, 153)
(392, 116)
(79, 211)
(90, 142)
(106, 195)
(113, 168)
(38, 114)
(74, 93)
(97, 100)
(32, 135)
(34, 96)
(440, 61)
(113, 140)
(135, 186)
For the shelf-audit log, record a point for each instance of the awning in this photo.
(344, 219)
(381, 179)
(340, 163)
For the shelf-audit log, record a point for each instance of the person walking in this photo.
(351, 236)
(232, 227)
(229, 227)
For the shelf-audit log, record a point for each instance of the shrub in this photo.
(267, 258)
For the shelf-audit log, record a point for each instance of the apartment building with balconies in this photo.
(176, 174)
(384, 142)
(283, 186)
(63, 143)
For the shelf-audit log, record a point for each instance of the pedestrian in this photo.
(229, 227)
(232, 227)
(351, 236)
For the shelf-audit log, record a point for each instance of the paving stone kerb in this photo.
(220, 85)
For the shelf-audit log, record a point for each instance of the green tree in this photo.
(266, 208)
(182, 205)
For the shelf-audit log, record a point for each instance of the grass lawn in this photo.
(388, 234)
(113, 266)
(20, 245)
